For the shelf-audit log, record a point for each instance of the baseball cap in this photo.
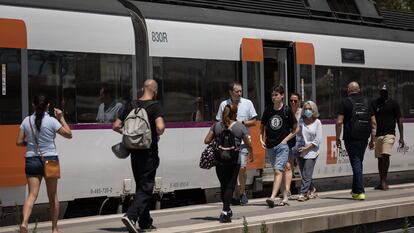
(383, 87)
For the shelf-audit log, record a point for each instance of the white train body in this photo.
(89, 169)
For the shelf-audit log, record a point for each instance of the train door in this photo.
(270, 63)
(13, 106)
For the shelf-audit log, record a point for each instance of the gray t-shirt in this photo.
(46, 136)
(238, 130)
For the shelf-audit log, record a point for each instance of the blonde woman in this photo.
(309, 139)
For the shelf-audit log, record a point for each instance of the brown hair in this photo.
(229, 113)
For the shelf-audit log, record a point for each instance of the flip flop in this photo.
(23, 229)
(282, 203)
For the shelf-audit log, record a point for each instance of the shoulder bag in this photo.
(51, 167)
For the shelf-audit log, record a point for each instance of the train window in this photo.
(10, 95)
(331, 87)
(192, 89)
(74, 83)
(353, 56)
(306, 82)
(405, 89)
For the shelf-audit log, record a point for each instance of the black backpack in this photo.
(226, 148)
(360, 124)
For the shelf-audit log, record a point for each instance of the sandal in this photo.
(282, 203)
(313, 194)
(23, 229)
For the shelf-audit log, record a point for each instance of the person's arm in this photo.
(160, 125)
(117, 126)
(373, 132)
(399, 124)
(20, 141)
(292, 134)
(262, 133)
(209, 137)
(401, 130)
(295, 128)
(250, 123)
(338, 129)
(64, 131)
(249, 147)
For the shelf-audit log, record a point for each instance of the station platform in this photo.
(331, 210)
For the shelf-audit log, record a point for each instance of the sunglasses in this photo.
(294, 101)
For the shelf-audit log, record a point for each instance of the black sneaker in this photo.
(230, 213)
(270, 203)
(148, 229)
(130, 224)
(225, 217)
(235, 201)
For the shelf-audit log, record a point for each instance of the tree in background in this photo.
(398, 5)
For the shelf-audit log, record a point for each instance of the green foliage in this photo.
(245, 227)
(406, 226)
(398, 5)
(263, 227)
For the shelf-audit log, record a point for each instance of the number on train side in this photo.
(160, 37)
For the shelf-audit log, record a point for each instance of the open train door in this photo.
(267, 63)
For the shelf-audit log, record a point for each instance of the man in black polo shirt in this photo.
(356, 143)
(144, 162)
(387, 113)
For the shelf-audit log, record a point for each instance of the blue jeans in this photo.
(278, 156)
(356, 150)
(306, 167)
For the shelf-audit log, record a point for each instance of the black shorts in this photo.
(34, 165)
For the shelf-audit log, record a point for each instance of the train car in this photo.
(70, 50)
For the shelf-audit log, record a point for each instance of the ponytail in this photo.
(229, 113)
(40, 104)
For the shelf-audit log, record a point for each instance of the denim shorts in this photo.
(278, 156)
(34, 165)
(243, 156)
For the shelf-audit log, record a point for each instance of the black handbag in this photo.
(207, 159)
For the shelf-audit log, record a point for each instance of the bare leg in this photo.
(383, 166)
(33, 184)
(242, 180)
(51, 185)
(288, 174)
(276, 184)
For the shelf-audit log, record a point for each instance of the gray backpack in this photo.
(137, 129)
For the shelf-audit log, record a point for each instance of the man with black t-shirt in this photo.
(355, 147)
(279, 125)
(387, 113)
(144, 162)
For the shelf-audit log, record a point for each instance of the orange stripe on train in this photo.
(13, 33)
(11, 158)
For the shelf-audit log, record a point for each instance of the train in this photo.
(69, 49)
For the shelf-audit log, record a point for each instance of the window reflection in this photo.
(192, 89)
(74, 82)
(331, 87)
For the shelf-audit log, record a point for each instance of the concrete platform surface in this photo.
(335, 209)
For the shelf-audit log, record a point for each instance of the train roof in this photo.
(295, 20)
(112, 7)
(363, 19)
